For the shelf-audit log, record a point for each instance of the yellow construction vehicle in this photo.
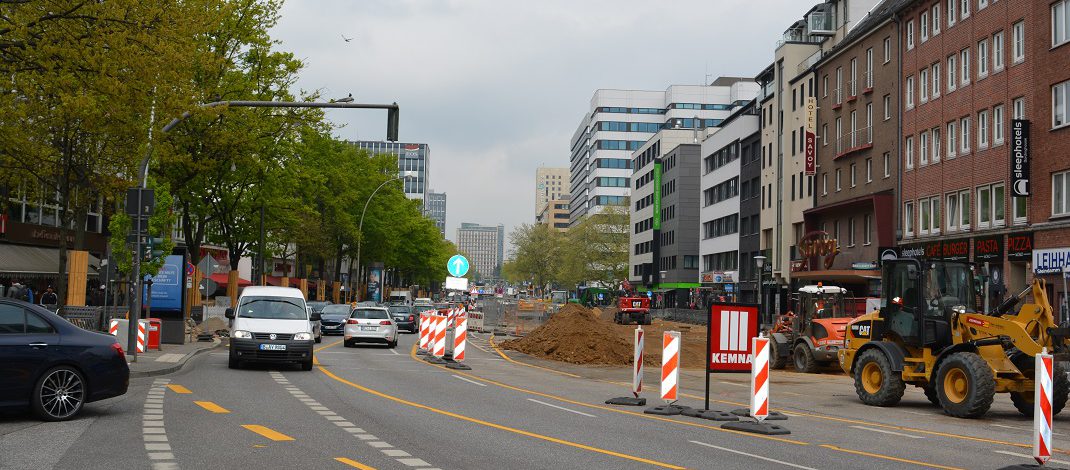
(928, 333)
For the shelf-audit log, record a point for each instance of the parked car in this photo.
(271, 324)
(333, 318)
(317, 327)
(317, 305)
(371, 325)
(405, 317)
(53, 367)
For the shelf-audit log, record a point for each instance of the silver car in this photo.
(370, 325)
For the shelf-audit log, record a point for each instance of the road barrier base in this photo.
(712, 415)
(457, 366)
(434, 360)
(773, 415)
(627, 401)
(665, 410)
(422, 352)
(767, 429)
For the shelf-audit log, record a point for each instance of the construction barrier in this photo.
(759, 378)
(637, 368)
(1042, 407)
(117, 327)
(670, 365)
(439, 348)
(475, 321)
(425, 325)
(460, 333)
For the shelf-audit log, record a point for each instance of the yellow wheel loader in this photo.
(929, 334)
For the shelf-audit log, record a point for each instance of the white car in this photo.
(370, 325)
(272, 324)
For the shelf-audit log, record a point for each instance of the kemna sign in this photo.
(732, 326)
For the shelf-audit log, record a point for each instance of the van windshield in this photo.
(273, 308)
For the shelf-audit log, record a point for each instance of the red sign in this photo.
(811, 154)
(731, 328)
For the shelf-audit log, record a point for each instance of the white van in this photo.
(271, 324)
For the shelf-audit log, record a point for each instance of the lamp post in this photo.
(759, 261)
(404, 176)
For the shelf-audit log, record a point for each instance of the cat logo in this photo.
(860, 330)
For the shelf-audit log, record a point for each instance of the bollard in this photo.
(670, 375)
(759, 395)
(1042, 407)
(460, 339)
(637, 375)
(440, 336)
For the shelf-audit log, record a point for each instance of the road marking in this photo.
(915, 412)
(885, 431)
(179, 389)
(380, 444)
(393, 351)
(1023, 429)
(888, 457)
(267, 432)
(767, 459)
(509, 359)
(735, 384)
(561, 408)
(354, 463)
(153, 432)
(396, 453)
(416, 463)
(470, 381)
(214, 408)
(496, 426)
(1028, 457)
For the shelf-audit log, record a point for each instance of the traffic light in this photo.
(392, 121)
(150, 251)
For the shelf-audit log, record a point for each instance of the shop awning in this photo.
(838, 275)
(36, 260)
(274, 280)
(223, 279)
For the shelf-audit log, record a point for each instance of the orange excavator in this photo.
(811, 337)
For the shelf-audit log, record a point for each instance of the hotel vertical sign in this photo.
(1019, 158)
(811, 136)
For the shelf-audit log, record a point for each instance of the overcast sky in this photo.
(497, 87)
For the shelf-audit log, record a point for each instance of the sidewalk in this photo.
(169, 359)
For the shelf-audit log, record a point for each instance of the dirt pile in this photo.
(578, 336)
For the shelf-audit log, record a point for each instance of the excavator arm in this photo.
(1031, 330)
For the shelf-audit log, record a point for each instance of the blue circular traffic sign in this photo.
(457, 266)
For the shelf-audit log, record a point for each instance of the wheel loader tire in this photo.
(875, 382)
(776, 361)
(1023, 401)
(965, 385)
(930, 393)
(803, 358)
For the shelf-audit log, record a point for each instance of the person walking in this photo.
(49, 297)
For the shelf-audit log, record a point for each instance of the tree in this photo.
(596, 249)
(537, 252)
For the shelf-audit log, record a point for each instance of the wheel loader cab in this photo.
(921, 299)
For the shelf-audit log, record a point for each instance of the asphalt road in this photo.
(372, 407)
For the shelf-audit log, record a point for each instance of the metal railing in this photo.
(854, 140)
(852, 86)
(92, 318)
(867, 79)
(682, 315)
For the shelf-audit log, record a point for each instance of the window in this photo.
(936, 19)
(854, 77)
(854, 129)
(997, 51)
(953, 215)
(951, 12)
(1060, 105)
(824, 134)
(867, 229)
(964, 11)
(924, 81)
(930, 216)
(37, 325)
(836, 229)
(824, 184)
(951, 148)
(1019, 108)
(910, 35)
(951, 79)
(854, 180)
(909, 152)
(869, 68)
(1060, 22)
(964, 127)
(825, 86)
(990, 206)
(869, 170)
(887, 164)
(850, 231)
(838, 180)
(935, 142)
(910, 92)
(924, 26)
(869, 123)
(997, 125)
(908, 219)
(12, 320)
(839, 85)
(981, 4)
(1018, 205)
(982, 130)
(1018, 42)
(964, 62)
(982, 59)
(887, 107)
(1060, 193)
(936, 80)
(964, 211)
(887, 50)
(923, 151)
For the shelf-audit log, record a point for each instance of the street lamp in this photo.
(759, 261)
(405, 175)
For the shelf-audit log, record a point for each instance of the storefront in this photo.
(1052, 264)
(718, 286)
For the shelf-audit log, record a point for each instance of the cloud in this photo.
(497, 87)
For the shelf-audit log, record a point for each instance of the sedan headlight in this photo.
(303, 336)
(241, 334)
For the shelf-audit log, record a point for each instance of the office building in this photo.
(555, 214)
(618, 122)
(435, 209)
(550, 184)
(411, 157)
(484, 246)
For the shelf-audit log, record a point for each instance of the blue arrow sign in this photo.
(457, 266)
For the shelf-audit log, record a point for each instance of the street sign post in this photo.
(457, 266)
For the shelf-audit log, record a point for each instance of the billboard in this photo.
(375, 284)
(1019, 158)
(167, 285)
(732, 326)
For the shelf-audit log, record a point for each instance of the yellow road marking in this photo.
(507, 358)
(178, 389)
(214, 408)
(321, 348)
(896, 459)
(354, 463)
(267, 432)
(499, 426)
(615, 410)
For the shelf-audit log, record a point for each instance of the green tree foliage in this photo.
(593, 251)
(161, 223)
(537, 252)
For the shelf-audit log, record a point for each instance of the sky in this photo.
(497, 87)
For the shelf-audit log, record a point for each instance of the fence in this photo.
(92, 318)
(512, 317)
(682, 315)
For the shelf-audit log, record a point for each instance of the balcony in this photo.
(867, 82)
(822, 20)
(852, 90)
(809, 62)
(837, 98)
(859, 139)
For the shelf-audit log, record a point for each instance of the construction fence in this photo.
(511, 317)
(682, 315)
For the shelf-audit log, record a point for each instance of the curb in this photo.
(178, 366)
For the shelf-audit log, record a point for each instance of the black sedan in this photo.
(53, 367)
(405, 318)
(333, 318)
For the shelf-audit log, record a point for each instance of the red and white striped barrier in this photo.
(440, 336)
(1042, 406)
(637, 368)
(142, 336)
(113, 328)
(460, 336)
(759, 378)
(670, 365)
(425, 320)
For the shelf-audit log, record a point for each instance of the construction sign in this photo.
(728, 341)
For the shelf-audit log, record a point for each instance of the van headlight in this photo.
(303, 336)
(241, 334)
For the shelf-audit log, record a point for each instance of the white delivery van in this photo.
(271, 324)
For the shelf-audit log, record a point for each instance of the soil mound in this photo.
(576, 335)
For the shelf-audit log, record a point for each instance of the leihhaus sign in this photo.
(1019, 157)
(1051, 260)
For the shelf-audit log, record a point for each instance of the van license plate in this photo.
(273, 347)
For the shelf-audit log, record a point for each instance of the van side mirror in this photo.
(315, 316)
(229, 313)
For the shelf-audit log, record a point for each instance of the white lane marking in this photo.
(759, 457)
(1028, 457)
(470, 381)
(1016, 428)
(396, 453)
(735, 384)
(367, 437)
(884, 431)
(379, 444)
(393, 351)
(560, 408)
(916, 413)
(416, 463)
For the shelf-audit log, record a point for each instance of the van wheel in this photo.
(234, 362)
(319, 339)
(965, 385)
(307, 365)
(875, 382)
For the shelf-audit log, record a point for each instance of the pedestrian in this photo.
(49, 297)
(15, 289)
(26, 293)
